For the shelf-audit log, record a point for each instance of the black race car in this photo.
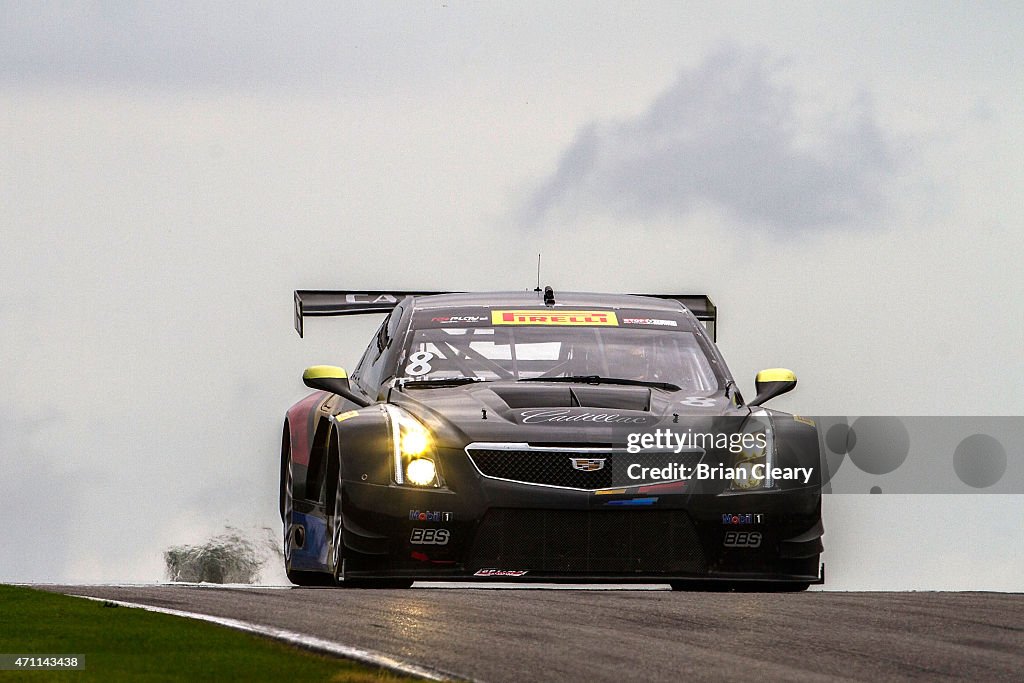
(542, 436)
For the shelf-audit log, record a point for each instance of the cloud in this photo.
(725, 135)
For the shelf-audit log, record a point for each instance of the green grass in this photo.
(121, 643)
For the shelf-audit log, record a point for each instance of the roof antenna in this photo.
(538, 274)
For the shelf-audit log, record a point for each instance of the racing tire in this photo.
(336, 561)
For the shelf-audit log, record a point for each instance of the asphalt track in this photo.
(495, 635)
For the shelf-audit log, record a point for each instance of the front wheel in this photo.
(288, 532)
(336, 561)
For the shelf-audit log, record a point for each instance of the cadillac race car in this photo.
(543, 436)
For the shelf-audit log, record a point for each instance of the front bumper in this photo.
(497, 530)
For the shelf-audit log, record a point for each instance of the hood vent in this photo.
(595, 396)
(623, 398)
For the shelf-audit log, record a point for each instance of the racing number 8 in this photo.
(419, 363)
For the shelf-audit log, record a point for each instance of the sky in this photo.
(841, 178)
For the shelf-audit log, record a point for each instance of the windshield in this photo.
(667, 356)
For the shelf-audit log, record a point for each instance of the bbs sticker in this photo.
(742, 539)
(429, 537)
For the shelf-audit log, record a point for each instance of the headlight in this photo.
(411, 445)
(755, 461)
(421, 472)
(415, 442)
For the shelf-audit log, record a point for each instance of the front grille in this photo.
(588, 541)
(555, 467)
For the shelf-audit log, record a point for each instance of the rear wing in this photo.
(701, 307)
(323, 302)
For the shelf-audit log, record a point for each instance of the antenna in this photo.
(538, 274)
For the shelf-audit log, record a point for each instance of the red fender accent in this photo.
(300, 426)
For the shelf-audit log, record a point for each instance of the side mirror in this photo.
(772, 383)
(332, 379)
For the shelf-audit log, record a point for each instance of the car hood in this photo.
(561, 412)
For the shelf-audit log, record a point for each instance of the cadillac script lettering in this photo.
(535, 415)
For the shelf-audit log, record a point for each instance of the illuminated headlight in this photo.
(754, 463)
(410, 441)
(415, 442)
(420, 471)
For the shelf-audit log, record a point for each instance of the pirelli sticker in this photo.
(549, 317)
